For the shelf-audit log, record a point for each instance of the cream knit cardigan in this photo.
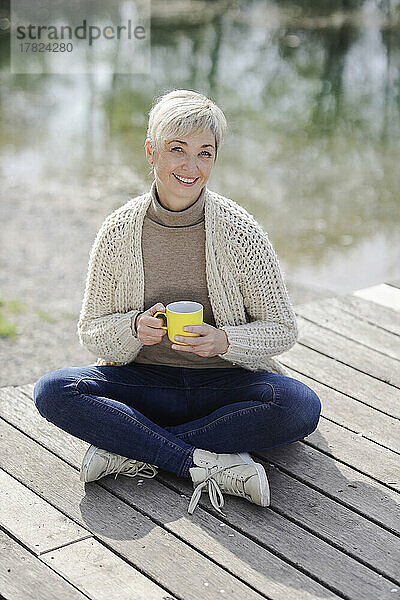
(242, 272)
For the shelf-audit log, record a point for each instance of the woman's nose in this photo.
(190, 164)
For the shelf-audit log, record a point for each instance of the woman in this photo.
(195, 410)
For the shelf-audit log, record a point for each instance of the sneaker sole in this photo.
(262, 476)
(86, 460)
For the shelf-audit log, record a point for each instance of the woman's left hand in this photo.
(212, 341)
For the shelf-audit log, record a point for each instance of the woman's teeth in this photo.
(185, 179)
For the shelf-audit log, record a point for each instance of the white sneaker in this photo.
(235, 474)
(98, 463)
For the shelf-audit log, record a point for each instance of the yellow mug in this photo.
(179, 314)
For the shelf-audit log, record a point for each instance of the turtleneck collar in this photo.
(175, 218)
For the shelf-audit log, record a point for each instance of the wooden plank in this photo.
(356, 451)
(132, 535)
(349, 353)
(386, 295)
(101, 574)
(379, 463)
(20, 410)
(354, 415)
(327, 316)
(25, 577)
(381, 316)
(238, 554)
(342, 378)
(288, 530)
(338, 481)
(27, 389)
(68, 548)
(34, 522)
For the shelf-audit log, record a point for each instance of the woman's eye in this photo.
(204, 152)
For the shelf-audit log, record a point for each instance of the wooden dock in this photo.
(332, 530)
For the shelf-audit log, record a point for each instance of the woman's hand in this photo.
(148, 328)
(212, 341)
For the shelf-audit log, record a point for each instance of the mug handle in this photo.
(163, 316)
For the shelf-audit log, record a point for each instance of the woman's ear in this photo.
(149, 150)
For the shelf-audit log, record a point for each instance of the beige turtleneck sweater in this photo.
(173, 247)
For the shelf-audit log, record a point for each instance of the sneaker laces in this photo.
(228, 480)
(132, 470)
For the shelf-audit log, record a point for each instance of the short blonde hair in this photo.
(184, 112)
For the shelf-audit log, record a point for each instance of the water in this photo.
(311, 94)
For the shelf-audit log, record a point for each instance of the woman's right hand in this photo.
(148, 328)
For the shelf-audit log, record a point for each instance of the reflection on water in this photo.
(312, 95)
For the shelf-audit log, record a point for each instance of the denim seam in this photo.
(225, 388)
(128, 384)
(188, 460)
(129, 418)
(172, 387)
(224, 418)
(273, 392)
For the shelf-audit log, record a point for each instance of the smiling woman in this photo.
(197, 408)
(182, 144)
(181, 168)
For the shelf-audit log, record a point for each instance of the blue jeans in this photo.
(159, 414)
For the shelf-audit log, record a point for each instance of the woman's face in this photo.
(189, 158)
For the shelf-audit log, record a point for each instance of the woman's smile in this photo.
(186, 181)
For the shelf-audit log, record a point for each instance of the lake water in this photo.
(311, 92)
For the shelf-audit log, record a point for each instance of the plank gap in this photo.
(351, 366)
(36, 442)
(37, 557)
(336, 499)
(366, 320)
(347, 395)
(388, 485)
(350, 339)
(332, 543)
(174, 595)
(357, 433)
(4, 529)
(66, 543)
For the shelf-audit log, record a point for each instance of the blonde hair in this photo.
(184, 112)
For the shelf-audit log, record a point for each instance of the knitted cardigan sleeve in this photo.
(101, 328)
(272, 328)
